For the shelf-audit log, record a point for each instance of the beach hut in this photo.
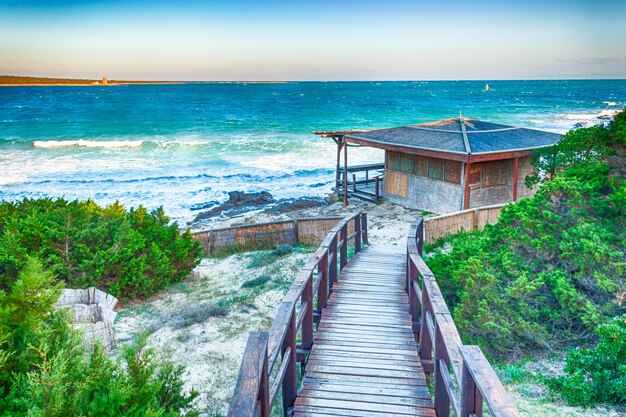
(442, 166)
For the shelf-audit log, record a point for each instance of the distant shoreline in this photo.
(89, 85)
(19, 81)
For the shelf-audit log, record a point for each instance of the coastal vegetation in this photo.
(128, 253)
(46, 370)
(550, 275)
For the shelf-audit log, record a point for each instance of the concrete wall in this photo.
(422, 193)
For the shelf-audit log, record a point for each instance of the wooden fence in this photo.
(260, 381)
(467, 220)
(308, 231)
(441, 350)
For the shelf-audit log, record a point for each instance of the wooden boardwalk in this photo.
(364, 360)
(355, 336)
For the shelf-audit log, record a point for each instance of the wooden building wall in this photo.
(417, 182)
(437, 185)
(492, 182)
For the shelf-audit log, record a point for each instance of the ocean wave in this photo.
(612, 103)
(83, 143)
(10, 180)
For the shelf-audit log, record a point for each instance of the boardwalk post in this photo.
(419, 236)
(442, 400)
(471, 401)
(426, 344)
(290, 382)
(357, 231)
(264, 389)
(364, 227)
(250, 388)
(332, 267)
(413, 301)
(307, 319)
(377, 188)
(343, 258)
(322, 291)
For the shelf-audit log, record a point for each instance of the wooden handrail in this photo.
(437, 334)
(253, 395)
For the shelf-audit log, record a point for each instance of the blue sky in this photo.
(321, 40)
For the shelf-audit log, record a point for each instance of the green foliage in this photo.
(554, 266)
(597, 375)
(126, 253)
(264, 258)
(45, 370)
(257, 282)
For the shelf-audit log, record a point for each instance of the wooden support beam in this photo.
(515, 174)
(466, 192)
(344, 179)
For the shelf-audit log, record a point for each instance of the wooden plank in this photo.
(390, 391)
(362, 406)
(337, 362)
(307, 411)
(366, 398)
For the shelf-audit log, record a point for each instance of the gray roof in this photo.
(448, 136)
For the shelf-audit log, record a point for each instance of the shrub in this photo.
(129, 254)
(597, 375)
(264, 258)
(553, 267)
(45, 369)
(257, 282)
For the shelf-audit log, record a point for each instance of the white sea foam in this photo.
(612, 103)
(12, 179)
(88, 143)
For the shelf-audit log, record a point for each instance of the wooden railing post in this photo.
(264, 390)
(364, 228)
(357, 231)
(413, 301)
(471, 400)
(322, 291)
(343, 258)
(377, 188)
(332, 267)
(290, 382)
(426, 344)
(252, 387)
(442, 400)
(353, 182)
(307, 319)
(419, 236)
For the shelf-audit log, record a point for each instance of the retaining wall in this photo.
(466, 220)
(308, 231)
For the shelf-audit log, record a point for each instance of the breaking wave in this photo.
(82, 143)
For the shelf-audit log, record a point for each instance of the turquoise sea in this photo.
(183, 145)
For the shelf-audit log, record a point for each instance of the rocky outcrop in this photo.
(296, 204)
(238, 202)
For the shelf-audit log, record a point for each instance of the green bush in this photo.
(130, 253)
(597, 375)
(554, 266)
(45, 369)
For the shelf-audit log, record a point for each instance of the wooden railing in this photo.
(464, 379)
(259, 383)
(360, 182)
